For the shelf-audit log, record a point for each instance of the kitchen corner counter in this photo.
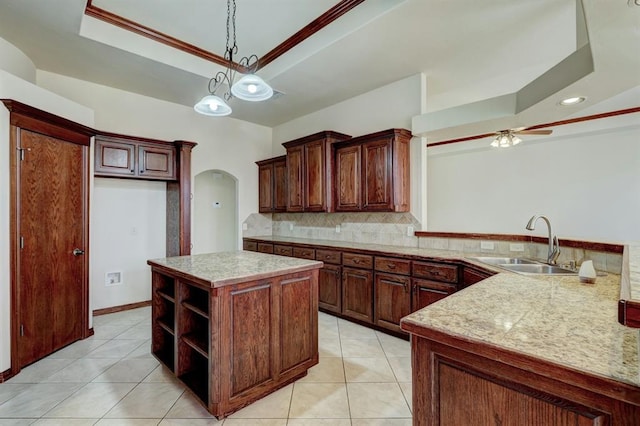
(557, 319)
(226, 268)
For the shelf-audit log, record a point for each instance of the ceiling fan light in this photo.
(212, 105)
(251, 88)
(515, 140)
(572, 101)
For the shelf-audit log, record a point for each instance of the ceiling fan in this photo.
(507, 138)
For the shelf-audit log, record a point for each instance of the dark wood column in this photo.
(179, 204)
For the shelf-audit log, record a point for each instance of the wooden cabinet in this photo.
(330, 281)
(249, 245)
(272, 185)
(130, 158)
(265, 248)
(372, 172)
(475, 384)
(201, 334)
(473, 275)
(309, 166)
(392, 300)
(281, 250)
(357, 286)
(425, 292)
(432, 281)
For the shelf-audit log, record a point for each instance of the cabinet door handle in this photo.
(356, 261)
(391, 266)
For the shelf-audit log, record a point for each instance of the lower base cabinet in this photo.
(330, 288)
(426, 292)
(453, 387)
(357, 294)
(392, 300)
(235, 344)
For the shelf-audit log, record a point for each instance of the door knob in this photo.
(77, 252)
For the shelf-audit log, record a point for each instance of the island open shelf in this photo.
(235, 326)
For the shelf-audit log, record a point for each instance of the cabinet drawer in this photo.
(329, 256)
(265, 247)
(282, 250)
(436, 271)
(357, 260)
(396, 266)
(304, 253)
(249, 246)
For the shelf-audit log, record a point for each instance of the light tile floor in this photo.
(363, 379)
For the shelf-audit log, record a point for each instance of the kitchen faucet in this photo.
(554, 246)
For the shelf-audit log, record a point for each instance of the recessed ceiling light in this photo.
(632, 3)
(573, 101)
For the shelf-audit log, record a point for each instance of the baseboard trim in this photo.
(6, 375)
(121, 308)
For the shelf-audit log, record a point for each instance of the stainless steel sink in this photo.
(539, 268)
(504, 260)
(524, 266)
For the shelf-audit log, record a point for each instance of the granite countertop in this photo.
(555, 318)
(225, 268)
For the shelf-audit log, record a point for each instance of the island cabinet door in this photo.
(425, 292)
(357, 294)
(392, 300)
(298, 321)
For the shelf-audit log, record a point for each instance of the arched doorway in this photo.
(215, 212)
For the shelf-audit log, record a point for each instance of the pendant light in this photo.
(249, 88)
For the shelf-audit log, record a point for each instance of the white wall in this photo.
(585, 178)
(128, 227)
(390, 106)
(14, 61)
(214, 210)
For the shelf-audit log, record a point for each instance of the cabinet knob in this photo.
(141, 171)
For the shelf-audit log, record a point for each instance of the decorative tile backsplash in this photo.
(369, 228)
(392, 229)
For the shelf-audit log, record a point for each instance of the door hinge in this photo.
(21, 329)
(21, 242)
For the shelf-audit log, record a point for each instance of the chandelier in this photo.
(505, 139)
(249, 88)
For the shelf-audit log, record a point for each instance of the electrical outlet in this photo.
(245, 226)
(516, 247)
(337, 229)
(487, 245)
(410, 230)
(113, 278)
(291, 227)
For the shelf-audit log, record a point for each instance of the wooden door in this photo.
(426, 292)
(377, 175)
(314, 177)
(348, 178)
(265, 188)
(392, 300)
(295, 178)
(280, 186)
(51, 285)
(357, 294)
(330, 288)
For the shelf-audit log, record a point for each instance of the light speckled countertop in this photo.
(554, 318)
(225, 268)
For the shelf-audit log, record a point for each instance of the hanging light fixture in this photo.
(249, 88)
(505, 139)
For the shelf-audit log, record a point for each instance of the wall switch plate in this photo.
(487, 245)
(337, 229)
(410, 230)
(516, 247)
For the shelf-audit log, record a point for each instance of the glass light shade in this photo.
(251, 88)
(212, 105)
(505, 140)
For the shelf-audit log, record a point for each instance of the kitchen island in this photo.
(235, 326)
(515, 350)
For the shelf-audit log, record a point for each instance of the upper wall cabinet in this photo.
(272, 185)
(372, 172)
(131, 158)
(310, 164)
